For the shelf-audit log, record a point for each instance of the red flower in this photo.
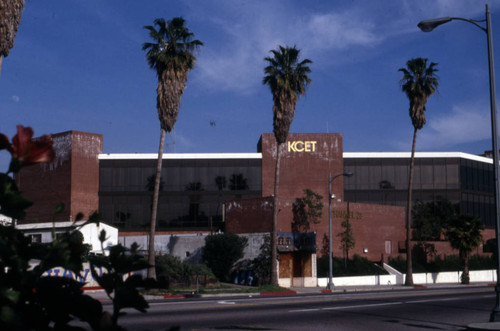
(28, 150)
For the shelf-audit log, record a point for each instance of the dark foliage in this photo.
(306, 210)
(357, 266)
(262, 263)
(221, 251)
(171, 271)
(30, 299)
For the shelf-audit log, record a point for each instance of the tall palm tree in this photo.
(171, 55)
(287, 78)
(464, 234)
(419, 82)
(10, 16)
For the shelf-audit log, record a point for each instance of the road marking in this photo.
(364, 306)
(345, 307)
(433, 300)
(226, 302)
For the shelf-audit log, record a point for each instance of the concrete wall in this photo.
(189, 246)
(90, 233)
(418, 279)
(387, 280)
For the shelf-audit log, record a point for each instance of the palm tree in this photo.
(10, 16)
(419, 82)
(171, 56)
(287, 78)
(464, 234)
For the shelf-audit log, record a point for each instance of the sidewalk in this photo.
(101, 295)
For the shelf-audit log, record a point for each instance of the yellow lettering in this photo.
(302, 146)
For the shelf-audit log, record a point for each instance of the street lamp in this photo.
(330, 180)
(429, 25)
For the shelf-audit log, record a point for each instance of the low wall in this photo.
(298, 282)
(418, 279)
(359, 280)
(85, 278)
(454, 277)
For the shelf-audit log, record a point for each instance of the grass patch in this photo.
(222, 288)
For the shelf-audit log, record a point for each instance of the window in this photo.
(35, 238)
(388, 247)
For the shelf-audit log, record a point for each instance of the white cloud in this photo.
(241, 33)
(338, 31)
(15, 98)
(462, 125)
(248, 36)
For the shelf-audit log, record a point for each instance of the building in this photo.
(464, 179)
(204, 193)
(43, 233)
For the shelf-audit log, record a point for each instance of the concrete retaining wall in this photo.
(418, 279)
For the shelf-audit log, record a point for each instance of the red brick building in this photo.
(72, 179)
(198, 186)
(306, 162)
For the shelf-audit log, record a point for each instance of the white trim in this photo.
(257, 156)
(180, 156)
(418, 155)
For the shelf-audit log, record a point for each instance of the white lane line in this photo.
(345, 307)
(433, 300)
(364, 306)
(226, 302)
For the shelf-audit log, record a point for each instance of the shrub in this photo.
(357, 266)
(221, 251)
(172, 271)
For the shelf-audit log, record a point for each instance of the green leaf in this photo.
(12, 203)
(59, 209)
(106, 281)
(129, 297)
(79, 217)
(102, 236)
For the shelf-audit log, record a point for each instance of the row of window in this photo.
(130, 176)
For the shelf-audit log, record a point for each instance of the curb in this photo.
(279, 293)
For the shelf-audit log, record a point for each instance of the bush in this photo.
(172, 271)
(357, 266)
(221, 251)
(262, 263)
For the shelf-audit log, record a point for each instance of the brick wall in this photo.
(72, 178)
(306, 162)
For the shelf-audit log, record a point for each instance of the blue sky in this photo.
(78, 65)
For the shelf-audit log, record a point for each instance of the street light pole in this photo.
(429, 25)
(329, 286)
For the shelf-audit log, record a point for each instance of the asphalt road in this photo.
(429, 309)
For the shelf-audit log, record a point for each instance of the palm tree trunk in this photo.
(274, 256)
(154, 210)
(409, 267)
(465, 275)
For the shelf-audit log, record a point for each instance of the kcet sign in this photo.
(302, 146)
